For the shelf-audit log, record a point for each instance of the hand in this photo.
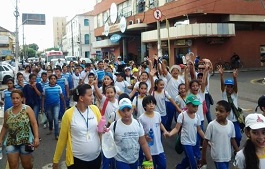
(36, 142)
(203, 162)
(148, 139)
(220, 69)
(95, 82)
(152, 72)
(33, 84)
(167, 134)
(235, 73)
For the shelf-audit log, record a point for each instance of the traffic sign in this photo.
(157, 14)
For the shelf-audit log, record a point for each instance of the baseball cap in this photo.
(109, 147)
(127, 68)
(261, 101)
(119, 57)
(255, 121)
(193, 100)
(175, 67)
(135, 70)
(125, 102)
(229, 82)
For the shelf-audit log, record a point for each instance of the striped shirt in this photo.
(17, 86)
(62, 82)
(52, 94)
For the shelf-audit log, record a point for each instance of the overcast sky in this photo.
(41, 34)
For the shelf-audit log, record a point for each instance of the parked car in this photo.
(6, 72)
(70, 58)
(87, 60)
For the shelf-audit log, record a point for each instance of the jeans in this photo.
(159, 161)
(122, 165)
(221, 165)
(198, 143)
(171, 110)
(107, 163)
(208, 113)
(53, 114)
(62, 110)
(238, 133)
(36, 109)
(190, 160)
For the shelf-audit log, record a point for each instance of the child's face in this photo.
(91, 79)
(257, 137)
(192, 108)
(20, 78)
(119, 78)
(44, 78)
(110, 93)
(195, 88)
(76, 71)
(175, 73)
(107, 80)
(160, 85)
(126, 114)
(229, 89)
(144, 77)
(182, 90)
(221, 113)
(199, 78)
(10, 84)
(143, 89)
(150, 107)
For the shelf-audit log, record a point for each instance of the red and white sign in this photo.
(157, 14)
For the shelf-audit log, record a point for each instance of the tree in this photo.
(31, 52)
(34, 46)
(50, 49)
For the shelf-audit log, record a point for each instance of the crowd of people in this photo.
(135, 101)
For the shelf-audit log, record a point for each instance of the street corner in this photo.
(260, 81)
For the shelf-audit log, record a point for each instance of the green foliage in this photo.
(34, 46)
(50, 49)
(31, 52)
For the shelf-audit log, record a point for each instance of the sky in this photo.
(42, 35)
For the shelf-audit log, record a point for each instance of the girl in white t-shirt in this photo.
(160, 95)
(252, 156)
(181, 99)
(190, 122)
(138, 109)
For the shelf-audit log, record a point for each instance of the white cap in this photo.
(119, 57)
(255, 121)
(109, 147)
(175, 67)
(125, 102)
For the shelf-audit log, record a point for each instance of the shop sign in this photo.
(180, 42)
(115, 38)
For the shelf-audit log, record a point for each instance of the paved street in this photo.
(248, 95)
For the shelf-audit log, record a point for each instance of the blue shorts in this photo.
(17, 149)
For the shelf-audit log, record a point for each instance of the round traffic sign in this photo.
(157, 14)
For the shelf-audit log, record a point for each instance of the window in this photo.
(86, 38)
(87, 54)
(86, 22)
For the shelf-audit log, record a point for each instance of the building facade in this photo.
(7, 42)
(79, 36)
(58, 30)
(211, 29)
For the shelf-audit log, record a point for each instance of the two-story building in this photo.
(209, 28)
(7, 41)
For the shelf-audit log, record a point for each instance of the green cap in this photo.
(193, 100)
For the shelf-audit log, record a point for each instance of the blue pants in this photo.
(122, 165)
(238, 133)
(159, 161)
(107, 163)
(208, 113)
(36, 109)
(53, 113)
(171, 110)
(163, 120)
(190, 160)
(221, 165)
(62, 109)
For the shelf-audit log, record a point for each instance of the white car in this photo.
(70, 58)
(87, 60)
(6, 72)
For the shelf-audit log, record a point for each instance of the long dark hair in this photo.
(104, 86)
(251, 158)
(156, 83)
(80, 90)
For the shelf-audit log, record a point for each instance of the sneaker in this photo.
(56, 137)
(44, 126)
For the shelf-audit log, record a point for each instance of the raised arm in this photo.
(235, 74)
(151, 78)
(97, 91)
(221, 72)
(204, 78)
(186, 72)
(164, 68)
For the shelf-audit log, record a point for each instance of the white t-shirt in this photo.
(201, 97)
(161, 101)
(189, 128)
(123, 86)
(85, 140)
(148, 85)
(241, 164)
(84, 76)
(139, 107)
(127, 140)
(118, 90)
(154, 124)
(234, 97)
(220, 138)
(76, 79)
(180, 102)
(111, 107)
(172, 85)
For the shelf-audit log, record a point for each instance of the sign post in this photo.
(158, 15)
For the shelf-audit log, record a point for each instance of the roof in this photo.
(90, 13)
(4, 30)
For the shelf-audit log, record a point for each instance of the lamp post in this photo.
(72, 38)
(16, 14)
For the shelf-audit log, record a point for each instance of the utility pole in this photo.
(159, 50)
(16, 14)
(72, 38)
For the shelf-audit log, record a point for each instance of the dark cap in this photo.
(261, 101)
(87, 65)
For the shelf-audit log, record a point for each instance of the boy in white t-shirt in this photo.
(190, 123)
(151, 121)
(128, 135)
(220, 134)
